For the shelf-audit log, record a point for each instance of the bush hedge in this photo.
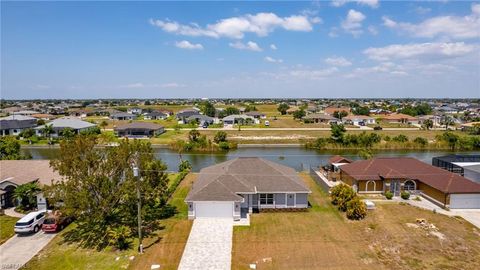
(356, 209)
(405, 195)
(389, 195)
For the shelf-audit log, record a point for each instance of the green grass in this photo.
(60, 255)
(6, 227)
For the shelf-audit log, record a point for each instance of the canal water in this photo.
(296, 157)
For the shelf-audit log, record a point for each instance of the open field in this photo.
(324, 237)
(6, 227)
(164, 248)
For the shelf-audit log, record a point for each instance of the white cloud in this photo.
(273, 47)
(188, 46)
(370, 3)
(236, 27)
(415, 50)
(313, 74)
(353, 22)
(442, 26)
(373, 30)
(422, 10)
(338, 61)
(273, 60)
(164, 85)
(251, 46)
(172, 85)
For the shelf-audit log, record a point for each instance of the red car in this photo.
(55, 223)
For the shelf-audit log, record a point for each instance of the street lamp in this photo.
(139, 208)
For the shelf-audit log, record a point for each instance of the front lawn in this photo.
(165, 249)
(6, 227)
(324, 238)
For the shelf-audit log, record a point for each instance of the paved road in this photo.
(295, 129)
(18, 250)
(209, 245)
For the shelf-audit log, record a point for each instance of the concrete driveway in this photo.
(209, 245)
(18, 250)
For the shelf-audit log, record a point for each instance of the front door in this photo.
(290, 200)
(395, 187)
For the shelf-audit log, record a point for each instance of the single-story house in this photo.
(14, 173)
(155, 115)
(233, 119)
(44, 116)
(123, 116)
(139, 129)
(358, 120)
(184, 114)
(256, 115)
(332, 169)
(60, 124)
(332, 110)
(201, 119)
(231, 189)
(15, 124)
(434, 118)
(136, 111)
(408, 174)
(25, 112)
(321, 118)
(293, 109)
(400, 118)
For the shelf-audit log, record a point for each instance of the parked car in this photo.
(267, 123)
(32, 222)
(377, 128)
(55, 222)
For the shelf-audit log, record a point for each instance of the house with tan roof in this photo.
(332, 110)
(376, 176)
(358, 120)
(242, 185)
(400, 118)
(14, 173)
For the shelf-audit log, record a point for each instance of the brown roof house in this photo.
(320, 118)
(408, 174)
(239, 186)
(400, 118)
(332, 110)
(14, 173)
(139, 129)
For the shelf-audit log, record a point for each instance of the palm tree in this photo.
(47, 130)
(428, 124)
(26, 195)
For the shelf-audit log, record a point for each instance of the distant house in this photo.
(15, 124)
(139, 129)
(184, 114)
(44, 116)
(200, 119)
(155, 115)
(321, 118)
(358, 120)
(332, 110)
(400, 118)
(18, 172)
(256, 115)
(136, 111)
(167, 112)
(229, 121)
(239, 186)
(447, 110)
(26, 113)
(58, 125)
(416, 177)
(122, 116)
(434, 118)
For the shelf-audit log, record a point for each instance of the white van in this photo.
(267, 123)
(32, 222)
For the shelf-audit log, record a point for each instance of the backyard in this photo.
(387, 239)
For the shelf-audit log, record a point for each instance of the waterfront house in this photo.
(15, 124)
(58, 125)
(139, 129)
(122, 116)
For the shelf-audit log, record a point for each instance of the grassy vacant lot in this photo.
(166, 248)
(324, 238)
(6, 227)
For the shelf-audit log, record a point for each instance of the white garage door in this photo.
(464, 201)
(214, 209)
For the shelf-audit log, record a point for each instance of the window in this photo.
(266, 198)
(409, 185)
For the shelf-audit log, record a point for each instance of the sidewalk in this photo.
(11, 212)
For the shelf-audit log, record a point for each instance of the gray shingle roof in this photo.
(68, 122)
(140, 125)
(222, 182)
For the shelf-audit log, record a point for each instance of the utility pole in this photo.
(139, 207)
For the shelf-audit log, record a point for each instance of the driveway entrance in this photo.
(209, 245)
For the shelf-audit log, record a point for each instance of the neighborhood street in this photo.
(18, 250)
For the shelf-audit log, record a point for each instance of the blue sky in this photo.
(240, 49)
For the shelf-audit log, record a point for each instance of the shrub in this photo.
(120, 237)
(389, 195)
(400, 138)
(224, 145)
(184, 166)
(405, 195)
(220, 136)
(356, 209)
(421, 141)
(377, 128)
(341, 195)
